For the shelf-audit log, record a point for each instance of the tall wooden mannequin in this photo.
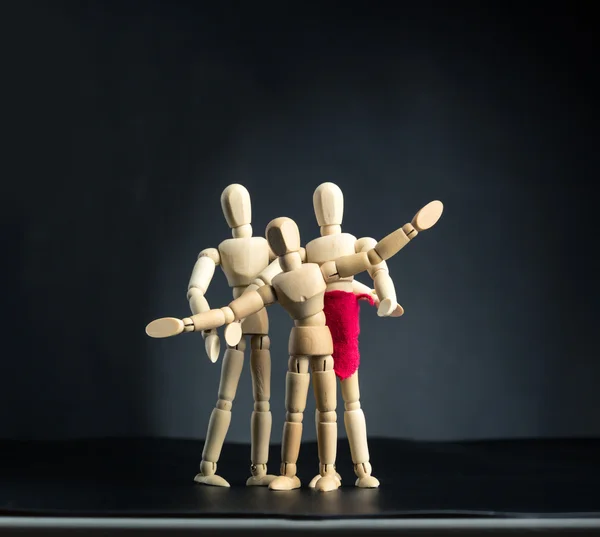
(341, 312)
(241, 258)
(300, 290)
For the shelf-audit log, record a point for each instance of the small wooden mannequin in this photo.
(242, 258)
(300, 290)
(341, 312)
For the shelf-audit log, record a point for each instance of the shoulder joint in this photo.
(364, 244)
(211, 253)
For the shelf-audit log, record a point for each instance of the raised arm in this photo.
(202, 275)
(387, 247)
(247, 304)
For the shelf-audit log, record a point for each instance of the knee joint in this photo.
(298, 365)
(294, 417)
(352, 405)
(223, 404)
(322, 363)
(327, 417)
(260, 343)
(262, 406)
(241, 346)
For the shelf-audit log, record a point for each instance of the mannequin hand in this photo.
(388, 307)
(212, 344)
(233, 333)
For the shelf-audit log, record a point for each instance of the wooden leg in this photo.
(356, 429)
(261, 421)
(325, 388)
(296, 393)
(231, 369)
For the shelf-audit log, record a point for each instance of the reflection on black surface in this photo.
(155, 477)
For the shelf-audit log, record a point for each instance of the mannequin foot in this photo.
(367, 482)
(327, 483)
(259, 477)
(260, 480)
(283, 482)
(365, 479)
(213, 480)
(314, 480)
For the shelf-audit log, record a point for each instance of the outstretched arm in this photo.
(202, 275)
(274, 268)
(233, 332)
(241, 307)
(387, 247)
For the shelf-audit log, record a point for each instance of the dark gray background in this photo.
(127, 120)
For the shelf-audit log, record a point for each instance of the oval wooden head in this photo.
(165, 327)
(428, 216)
(283, 236)
(328, 202)
(235, 202)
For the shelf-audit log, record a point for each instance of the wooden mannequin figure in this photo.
(242, 258)
(342, 315)
(300, 290)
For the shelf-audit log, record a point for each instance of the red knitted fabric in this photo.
(342, 317)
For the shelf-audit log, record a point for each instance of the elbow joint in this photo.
(195, 292)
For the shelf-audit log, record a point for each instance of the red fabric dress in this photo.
(342, 311)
